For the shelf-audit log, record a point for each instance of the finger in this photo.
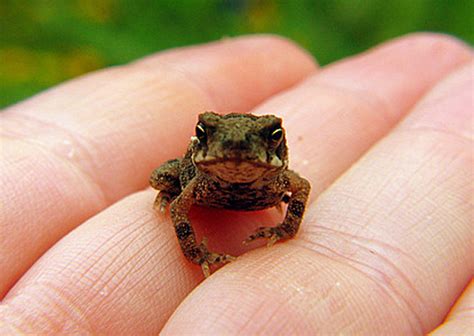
(72, 150)
(461, 318)
(375, 251)
(334, 116)
(118, 273)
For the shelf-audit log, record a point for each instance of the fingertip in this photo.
(438, 42)
(273, 41)
(240, 45)
(405, 66)
(241, 71)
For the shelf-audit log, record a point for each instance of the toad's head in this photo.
(240, 148)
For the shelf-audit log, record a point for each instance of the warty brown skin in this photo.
(235, 161)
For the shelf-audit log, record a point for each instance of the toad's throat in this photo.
(236, 170)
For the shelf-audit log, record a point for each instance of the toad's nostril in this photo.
(236, 144)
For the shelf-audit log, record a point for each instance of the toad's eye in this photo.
(201, 132)
(276, 135)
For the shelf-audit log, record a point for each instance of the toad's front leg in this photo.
(197, 254)
(299, 188)
(165, 178)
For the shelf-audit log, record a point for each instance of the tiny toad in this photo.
(235, 161)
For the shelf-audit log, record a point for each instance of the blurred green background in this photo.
(45, 42)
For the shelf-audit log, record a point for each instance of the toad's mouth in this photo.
(236, 170)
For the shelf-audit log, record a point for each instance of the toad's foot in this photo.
(209, 258)
(273, 234)
(161, 201)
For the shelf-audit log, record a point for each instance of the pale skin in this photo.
(385, 249)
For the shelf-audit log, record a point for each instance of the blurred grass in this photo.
(45, 42)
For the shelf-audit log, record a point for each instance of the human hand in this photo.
(385, 249)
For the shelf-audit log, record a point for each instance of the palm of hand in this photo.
(388, 240)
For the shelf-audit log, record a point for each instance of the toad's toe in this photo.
(273, 234)
(211, 258)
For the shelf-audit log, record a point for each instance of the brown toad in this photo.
(235, 161)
